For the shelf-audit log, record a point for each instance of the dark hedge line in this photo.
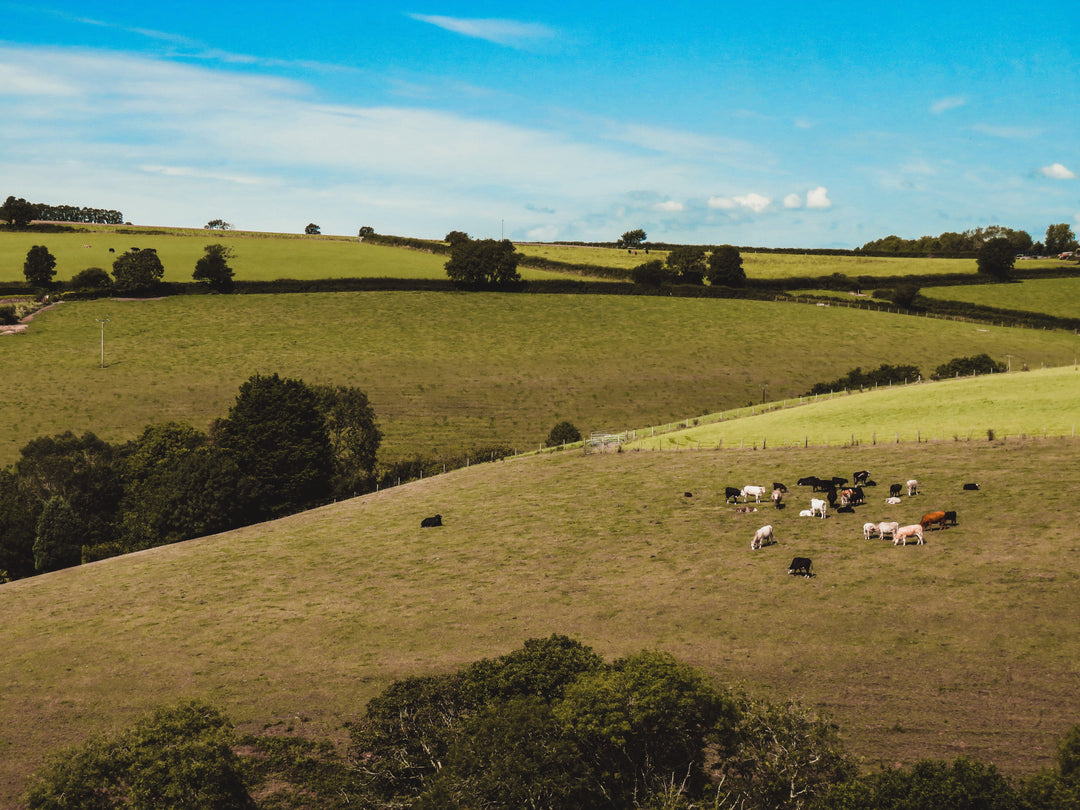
(426, 245)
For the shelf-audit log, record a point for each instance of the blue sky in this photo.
(752, 123)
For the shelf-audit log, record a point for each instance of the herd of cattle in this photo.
(842, 498)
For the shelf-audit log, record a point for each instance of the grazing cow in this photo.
(819, 507)
(972, 487)
(762, 537)
(900, 537)
(688, 494)
(930, 518)
(860, 477)
(869, 530)
(847, 494)
(756, 492)
(731, 494)
(745, 510)
(809, 481)
(778, 498)
(950, 518)
(779, 486)
(802, 566)
(888, 528)
(893, 500)
(895, 490)
(912, 487)
(830, 496)
(805, 513)
(837, 481)
(428, 522)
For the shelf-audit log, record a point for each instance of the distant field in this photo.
(1032, 403)
(966, 645)
(449, 371)
(258, 257)
(1056, 296)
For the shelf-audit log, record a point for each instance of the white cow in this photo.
(887, 528)
(904, 532)
(819, 507)
(756, 492)
(869, 530)
(762, 537)
(912, 487)
(806, 513)
(893, 501)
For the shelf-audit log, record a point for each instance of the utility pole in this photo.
(102, 321)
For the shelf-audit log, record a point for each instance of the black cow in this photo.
(830, 494)
(732, 494)
(950, 518)
(428, 522)
(801, 566)
(860, 477)
(779, 486)
(971, 486)
(895, 490)
(837, 481)
(809, 481)
(688, 494)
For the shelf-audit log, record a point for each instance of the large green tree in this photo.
(137, 271)
(725, 267)
(213, 268)
(1059, 239)
(18, 213)
(687, 263)
(354, 436)
(58, 543)
(39, 267)
(995, 258)
(277, 435)
(483, 263)
(632, 238)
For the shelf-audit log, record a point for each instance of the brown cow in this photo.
(930, 518)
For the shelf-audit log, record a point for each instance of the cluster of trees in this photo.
(284, 446)
(550, 725)
(482, 264)
(886, 374)
(136, 271)
(19, 213)
(690, 264)
(1059, 239)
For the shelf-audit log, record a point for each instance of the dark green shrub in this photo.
(8, 315)
(969, 366)
(563, 433)
(92, 278)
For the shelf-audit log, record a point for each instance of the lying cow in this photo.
(869, 530)
(762, 537)
(806, 513)
(900, 537)
(895, 490)
(802, 566)
(428, 522)
(930, 518)
(819, 507)
(745, 510)
(894, 500)
(889, 528)
(971, 487)
(751, 491)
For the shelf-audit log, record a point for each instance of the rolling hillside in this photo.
(964, 645)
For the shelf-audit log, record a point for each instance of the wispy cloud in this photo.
(669, 206)
(1011, 133)
(500, 31)
(946, 104)
(753, 202)
(1057, 171)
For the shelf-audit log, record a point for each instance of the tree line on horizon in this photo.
(19, 213)
(1059, 239)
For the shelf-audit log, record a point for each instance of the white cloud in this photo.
(669, 205)
(792, 201)
(501, 32)
(1057, 171)
(946, 104)
(754, 201)
(818, 198)
(722, 203)
(1008, 133)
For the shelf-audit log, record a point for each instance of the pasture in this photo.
(965, 645)
(449, 371)
(1059, 297)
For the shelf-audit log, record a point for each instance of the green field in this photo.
(1037, 403)
(966, 645)
(1059, 297)
(448, 371)
(257, 257)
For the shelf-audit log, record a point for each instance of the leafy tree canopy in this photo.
(218, 225)
(563, 433)
(686, 263)
(93, 278)
(484, 264)
(18, 213)
(725, 267)
(995, 258)
(632, 238)
(1060, 239)
(39, 267)
(968, 366)
(354, 437)
(651, 274)
(312, 229)
(137, 271)
(213, 268)
(453, 237)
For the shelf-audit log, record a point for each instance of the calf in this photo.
(803, 566)
(893, 500)
(901, 535)
(428, 522)
(869, 530)
(930, 518)
(762, 537)
(819, 507)
(971, 487)
(895, 490)
(743, 510)
(912, 487)
(806, 513)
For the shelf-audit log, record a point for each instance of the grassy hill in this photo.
(1056, 296)
(448, 371)
(964, 645)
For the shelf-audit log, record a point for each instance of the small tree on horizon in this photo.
(632, 238)
(312, 229)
